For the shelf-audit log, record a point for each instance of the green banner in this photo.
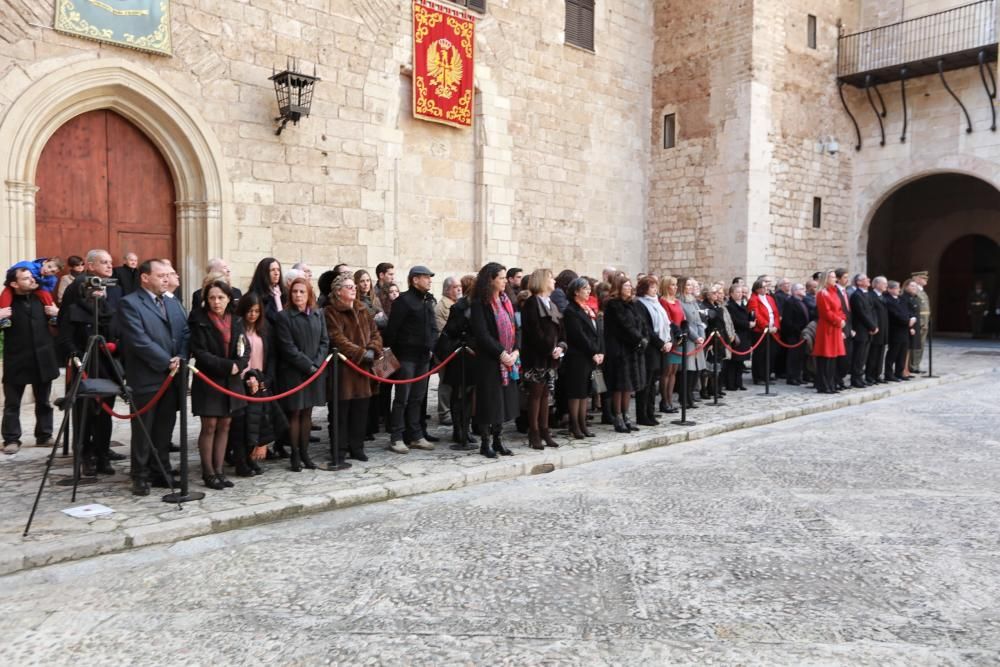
(136, 24)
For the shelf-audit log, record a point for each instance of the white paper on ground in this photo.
(87, 511)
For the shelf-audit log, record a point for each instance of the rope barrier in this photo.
(747, 352)
(426, 375)
(260, 399)
(149, 406)
(696, 350)
(785, 345)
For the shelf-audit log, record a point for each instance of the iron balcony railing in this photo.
(956, 36)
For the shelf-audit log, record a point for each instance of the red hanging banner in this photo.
(443, 48)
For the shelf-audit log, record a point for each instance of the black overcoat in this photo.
(457, 332)
(29, 355)
(583, 341)
(541, 332)
(303, 343)
(216, 361)
(496, 403)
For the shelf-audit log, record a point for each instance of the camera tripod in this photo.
(82, 389)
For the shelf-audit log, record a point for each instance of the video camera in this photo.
(94, 284)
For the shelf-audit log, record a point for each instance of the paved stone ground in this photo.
(865, 536)
(280, 493)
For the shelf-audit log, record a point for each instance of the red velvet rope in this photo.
(742, 354)
(144, 409)
(261, 399)
(696, 350)
(426, 375)
(786, 345)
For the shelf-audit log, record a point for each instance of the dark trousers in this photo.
(859, 357)
(843, 365)
(732, 374)
(159, 423)
(12, 395)
(759, 364)
(461, 409)
(408, 405)
(352, 420)
(645, 401)
(826, 368)
(92, 427)
(875, 363)
(795, 362)
(384, 403)
(895, 360)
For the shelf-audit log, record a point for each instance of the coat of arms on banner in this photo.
(443, 57)
(136, 24)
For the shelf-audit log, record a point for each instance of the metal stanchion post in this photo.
(715, 372)
(184, 494)
(336, 463)
(683, 421)
(767, 364)
(930, 348)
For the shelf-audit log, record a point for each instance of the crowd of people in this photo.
(543, 350)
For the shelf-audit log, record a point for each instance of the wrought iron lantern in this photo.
(294, 91)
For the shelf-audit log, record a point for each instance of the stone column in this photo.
(199, 237)
(20, 222)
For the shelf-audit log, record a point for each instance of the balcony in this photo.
(944, 41)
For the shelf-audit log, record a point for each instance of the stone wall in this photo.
(555, 172)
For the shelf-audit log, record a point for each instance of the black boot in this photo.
(307, 462)
(499, 447)
(485, 449)
(619, 424)
(295, 463)
(547, 438)
(104, 466)
(628, 423)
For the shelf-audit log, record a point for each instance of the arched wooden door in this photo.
(103, 184)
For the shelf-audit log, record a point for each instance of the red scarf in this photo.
(224, 325)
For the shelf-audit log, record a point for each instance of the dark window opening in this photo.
(811, 32)
(817, 212)
(580, 23)
(669, 130)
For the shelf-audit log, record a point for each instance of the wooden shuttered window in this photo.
(580, 23)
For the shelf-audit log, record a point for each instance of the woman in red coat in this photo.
(764, 314)
(829, 342)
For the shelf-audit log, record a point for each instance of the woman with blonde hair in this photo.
(542, 348)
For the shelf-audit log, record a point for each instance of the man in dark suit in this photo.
(76, 325)
(221, 266)
(844, 362)
(865, 325)
(876, 349)
(794, 318)
(127, 274)
(154, 339)
(900, 323)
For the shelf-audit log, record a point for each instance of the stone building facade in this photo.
(566, 165)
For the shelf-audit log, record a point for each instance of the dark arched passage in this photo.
(946, 224)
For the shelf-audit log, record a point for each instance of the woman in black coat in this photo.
(303, 342)
(254, 428)
(497, 362)
(624, 344)
(220, 351)
(457, 333)
(656, 328)
(732, 369)
(266, 283)
(541, 349)
(584, 352)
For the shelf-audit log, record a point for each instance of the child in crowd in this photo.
(45, 271)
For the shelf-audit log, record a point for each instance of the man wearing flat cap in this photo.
(411, 333)
(917, 355)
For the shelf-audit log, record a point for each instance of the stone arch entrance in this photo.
(913, 228)
(192, 154)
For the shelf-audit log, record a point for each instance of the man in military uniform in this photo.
(979, 305)
(916, 356)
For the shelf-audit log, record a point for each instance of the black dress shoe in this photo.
(175, 448)
(315, 427)
(225, 482)
(313, 438)
(161, 483)
(115, 456)
(212, 482)
(104, 468)
(431, 438)
(140, 488)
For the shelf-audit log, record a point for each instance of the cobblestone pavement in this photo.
(865, 536)
(280, 493)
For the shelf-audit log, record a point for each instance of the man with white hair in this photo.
(864, 322)
(304, 269)
(876, 349)
(217, 265)
(451, 291)
(794, 319)
(127, 274)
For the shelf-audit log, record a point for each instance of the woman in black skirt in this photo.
(624, 345)
(541, 349)
(497, 362)
(303, 342)
(220, 351)
(584, 353)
